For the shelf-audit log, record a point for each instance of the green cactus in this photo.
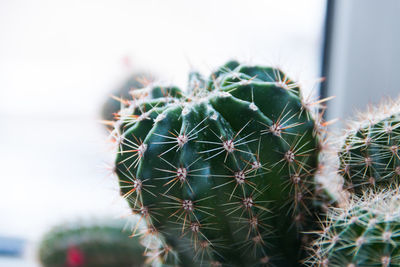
(369, 157)
(366, 232)
(223, 174)
(100, 244)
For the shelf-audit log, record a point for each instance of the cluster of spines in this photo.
(293, 159)
(365, 232)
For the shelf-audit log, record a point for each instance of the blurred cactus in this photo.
(369, 157)
(366, 232)
(99, 244)
(113, 104)
(223, 175)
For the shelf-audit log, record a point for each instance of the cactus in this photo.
(369, 157)
(366, 232)
(224, 174)
(90, 245)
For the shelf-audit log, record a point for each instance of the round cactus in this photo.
(224, 174)
(91, 245)
(364, 233)
(370, 156)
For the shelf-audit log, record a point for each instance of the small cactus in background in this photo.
(91, 245)
(366, 232)
(222, 175)
(369, 157)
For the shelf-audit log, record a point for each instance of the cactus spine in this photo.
(100, 244)
(223, 175)
(369, 157)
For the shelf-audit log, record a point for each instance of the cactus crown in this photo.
(364, 233)
(369, 157)
(223, 174)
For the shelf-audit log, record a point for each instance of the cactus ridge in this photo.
(224, 174)
(369, 157)
(366, 232)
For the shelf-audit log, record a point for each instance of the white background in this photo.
(59, 60)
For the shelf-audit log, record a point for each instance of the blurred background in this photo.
(61, 60)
